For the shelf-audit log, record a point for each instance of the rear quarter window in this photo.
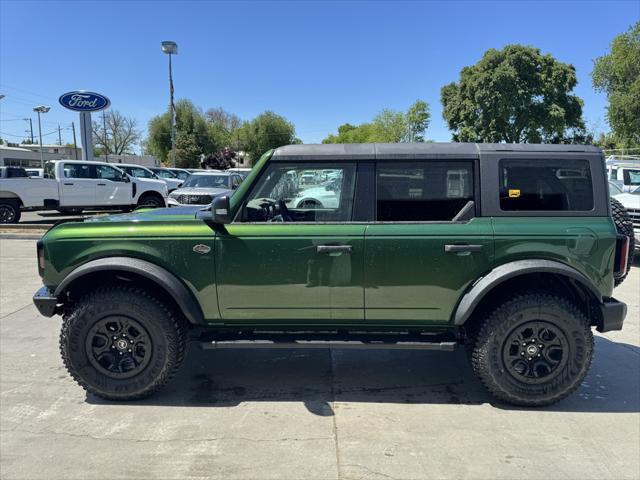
(545, 185)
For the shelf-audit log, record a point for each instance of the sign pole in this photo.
(85, 136)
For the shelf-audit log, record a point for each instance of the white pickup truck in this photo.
(71, 186)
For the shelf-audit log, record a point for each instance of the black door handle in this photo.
(102, 184)
(334, 248)
(68, 183)
(462, 248)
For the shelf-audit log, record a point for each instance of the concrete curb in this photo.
(25, 226)
(20, 236)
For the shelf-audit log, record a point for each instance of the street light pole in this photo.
(171, 48)
(41, 109)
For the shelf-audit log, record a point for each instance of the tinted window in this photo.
(163, 173)
(16, 173)
(303, 193)
(422, 191)
(545, 185)
(78, 170)
(138, 172)
(108, 173)
(631, 177)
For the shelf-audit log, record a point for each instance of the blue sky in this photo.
(319, 64)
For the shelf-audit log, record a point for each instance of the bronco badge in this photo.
(202, 249)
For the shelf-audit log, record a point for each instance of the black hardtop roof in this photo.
(352, 151)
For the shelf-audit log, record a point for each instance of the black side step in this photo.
(403, 342)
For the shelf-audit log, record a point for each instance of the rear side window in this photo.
(545, 185)
(422, 191)
(78, 170)
(631, 177)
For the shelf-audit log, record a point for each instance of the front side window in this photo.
(139, 172)
(424, 191)
(545, 185)
(108, 173)
(77, 170)
(305, 192)
(164, 173)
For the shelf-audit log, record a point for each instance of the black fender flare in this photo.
(502, 273)
(178, 291)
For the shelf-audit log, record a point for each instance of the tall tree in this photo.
(514, 95)
(618, 75)
(224, 127)
(116, 135)
(221, 160)
(268, 130)
(418, 118)
(193, 136)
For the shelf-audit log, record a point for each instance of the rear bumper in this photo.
(45, 302)
(613, 314)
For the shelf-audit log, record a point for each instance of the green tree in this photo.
(388, 126)
(514, 95)
(193, 136)
(268, 130)
(418, 118)
(618, 75)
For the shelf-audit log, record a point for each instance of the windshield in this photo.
(163, 173)
(207, 181)
(182, 175)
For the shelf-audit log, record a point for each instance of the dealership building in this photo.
(28, 156)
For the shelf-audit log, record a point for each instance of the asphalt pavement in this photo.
(300, 414)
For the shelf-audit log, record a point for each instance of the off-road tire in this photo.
(487, 357)
(624, 226)
(9, 211)
(150, 200)
(165, 327)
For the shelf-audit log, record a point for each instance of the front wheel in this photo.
(122, 343)
(533, 350)
(151, 201)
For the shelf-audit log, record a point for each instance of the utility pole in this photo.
(75, 145)
(59, 136)
(30, 128)
(104, 128)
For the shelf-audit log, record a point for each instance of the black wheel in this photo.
(151, 201)
(70, 211)
(121, 343)
(533, 350)
(9, 211)
(624, 226)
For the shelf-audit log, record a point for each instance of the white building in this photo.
(28, 156)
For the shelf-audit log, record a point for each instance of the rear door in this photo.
(78, 184)
(280, 262)
(419, 258)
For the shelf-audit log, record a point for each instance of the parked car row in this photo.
(71, 186)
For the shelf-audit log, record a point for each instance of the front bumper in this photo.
(613, 314)
(45, 302)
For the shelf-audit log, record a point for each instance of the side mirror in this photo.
(217, 212)
(125, 178)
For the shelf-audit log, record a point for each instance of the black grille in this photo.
(634, 213)
(194, 199)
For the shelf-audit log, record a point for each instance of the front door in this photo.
(419, 257)
(293, 253)
(111, 189)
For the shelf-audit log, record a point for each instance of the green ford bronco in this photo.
(510, 251)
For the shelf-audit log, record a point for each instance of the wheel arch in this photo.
(8, 195)
(541, 274)
(130, 269)
(152, 193)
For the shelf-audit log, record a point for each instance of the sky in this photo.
(319, 64)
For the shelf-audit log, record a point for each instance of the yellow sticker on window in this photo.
(514, 192)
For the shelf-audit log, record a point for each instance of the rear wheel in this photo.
(624, 226)
(533, 350)
(9, 211)
(121, 343)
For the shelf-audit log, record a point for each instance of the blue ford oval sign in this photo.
(82, 101)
